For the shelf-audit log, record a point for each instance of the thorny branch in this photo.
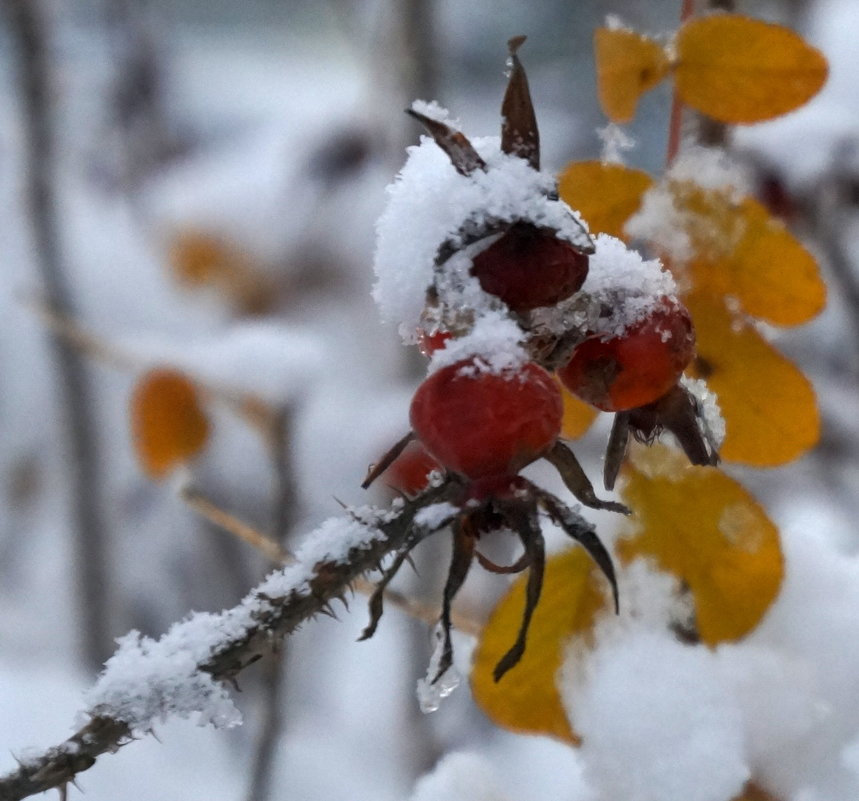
(273, 618)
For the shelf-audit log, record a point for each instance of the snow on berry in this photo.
(482, 424)
(429, 204)
(636, 368)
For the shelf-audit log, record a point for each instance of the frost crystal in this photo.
(709, 414)
(494, 341)
(431, 693)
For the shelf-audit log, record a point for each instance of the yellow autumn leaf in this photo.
(769, 406)
(578, 415)
(769, 272)
(742, 251)
(606, 195)
(526, 699)
(628, 64)
(168, 423)
(705, 529)
(741, 70)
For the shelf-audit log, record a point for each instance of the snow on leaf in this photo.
(705, 529)
(168, 423)
(628, 64)
(741, 70)
(768, 271)
(606, 195)
(526, 699)
(769, 406)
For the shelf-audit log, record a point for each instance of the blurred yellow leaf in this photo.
(768, 271)
(741, 70)
(526, 699)
(578, 415)
(704, 528)
(202, 259)
(742, 251)
(606, 195)
(769, 406)
(628, 64)
(168, 424)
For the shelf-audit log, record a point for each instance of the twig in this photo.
(426, 613)
(88, 530)
(303, 592)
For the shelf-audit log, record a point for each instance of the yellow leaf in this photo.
(628, 64)
(742, 251)
(168, 424)
(578, 415)
(606, 195)
(526, 699)
(741, 70)
(769, 406)
(708, 531)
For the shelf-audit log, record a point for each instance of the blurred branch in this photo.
(75, 391)
(284, 513)
(265, 618)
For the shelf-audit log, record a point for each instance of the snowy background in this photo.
(274, 129)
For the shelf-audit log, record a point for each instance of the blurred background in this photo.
(195, 184)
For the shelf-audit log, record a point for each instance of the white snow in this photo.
(429, 203)
(460, 776)
(493, 345)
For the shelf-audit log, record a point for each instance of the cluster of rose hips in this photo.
(479, 424)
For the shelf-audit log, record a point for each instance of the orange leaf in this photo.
(526, 699)
(768, 271)
(628, 64)
(704, 528)
(578, 415)
(741, 70)
(168, 424)
(606, 195)
(769, 406)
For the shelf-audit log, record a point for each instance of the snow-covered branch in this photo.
(187, 670)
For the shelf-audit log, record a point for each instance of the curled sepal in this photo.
(535, 549)
(677, 411)
(519, 133)
(583, 532)
(615, 452)
(577, 482)
(386, 461)
(461, 152)
(463, 552)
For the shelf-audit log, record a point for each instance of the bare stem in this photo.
(75, 391)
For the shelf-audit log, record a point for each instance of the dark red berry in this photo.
(482, 424)
(529, 267)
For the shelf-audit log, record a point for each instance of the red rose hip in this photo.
(482, 424)
(529, 267)
(634, 369)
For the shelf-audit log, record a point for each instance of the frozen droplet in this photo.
(431, 693)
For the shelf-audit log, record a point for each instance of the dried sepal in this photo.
(576, 480)
(461, 152)
(583, 532)
(519, 133)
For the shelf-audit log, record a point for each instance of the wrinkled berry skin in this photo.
(636, 368)
(481, 424)
(528, 268)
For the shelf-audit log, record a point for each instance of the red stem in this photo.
(675, 124)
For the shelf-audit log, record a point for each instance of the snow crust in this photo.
(493, 345)
(428, 204)
(147, 681)
(622, 281)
